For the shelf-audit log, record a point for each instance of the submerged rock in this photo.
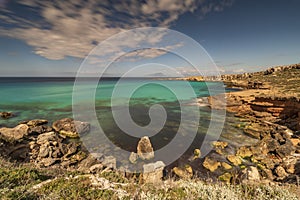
(6, 115)
(39, 129)
(252, 132)
(226, 166)
(220, 144)
(186, 172)
(44, 151)
(211, 164)
(71, 149)
(285, 149)
(144, 149)
(14, 134)
(71, 128)
(234, 160)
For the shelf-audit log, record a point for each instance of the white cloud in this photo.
(73, 28)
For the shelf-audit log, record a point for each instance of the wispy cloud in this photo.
(73, 28)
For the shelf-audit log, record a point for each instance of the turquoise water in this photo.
(51, 99)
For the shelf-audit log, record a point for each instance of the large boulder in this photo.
(153, 172)
(14, 134)
(144, 149)
(71, 128)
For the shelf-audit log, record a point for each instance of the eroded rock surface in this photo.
(14, 134)
(145, 149)
(71, 128)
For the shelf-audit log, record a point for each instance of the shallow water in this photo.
(51, 98)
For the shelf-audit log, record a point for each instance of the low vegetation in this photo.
(25, 182)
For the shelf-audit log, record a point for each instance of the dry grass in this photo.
(20, 182)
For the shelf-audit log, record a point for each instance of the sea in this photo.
(53, 98)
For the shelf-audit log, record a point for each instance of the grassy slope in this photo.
(286, 82)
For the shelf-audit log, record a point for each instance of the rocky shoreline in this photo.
(272, 117)
(273, 121)
(274, 157)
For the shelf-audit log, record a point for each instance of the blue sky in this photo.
(52, 38)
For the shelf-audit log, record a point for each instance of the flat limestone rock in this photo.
(14, 134)
(37, 122)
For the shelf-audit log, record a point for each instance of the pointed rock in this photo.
(144, 149)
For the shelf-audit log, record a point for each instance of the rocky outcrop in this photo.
(34, 141)
(70, 128)
(274, 122)
(52, 149)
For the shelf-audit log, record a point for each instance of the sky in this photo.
(60, 38)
